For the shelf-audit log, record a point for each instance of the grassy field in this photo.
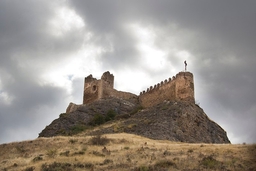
(123, 152)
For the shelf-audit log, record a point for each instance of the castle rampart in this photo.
(180, 87)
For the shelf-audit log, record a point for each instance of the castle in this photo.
(179, 87)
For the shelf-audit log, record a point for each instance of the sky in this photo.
(48, 47)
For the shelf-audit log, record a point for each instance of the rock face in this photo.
(181, 121)
(82, 115)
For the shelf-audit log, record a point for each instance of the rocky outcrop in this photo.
(170, 120)
(174, 121)
(78, 117)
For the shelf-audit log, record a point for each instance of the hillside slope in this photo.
(126, 152)
(174, 121)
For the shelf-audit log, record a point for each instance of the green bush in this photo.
(111, 114)
(62, 115)
(77, 129)
(98, 119)
(210, 163)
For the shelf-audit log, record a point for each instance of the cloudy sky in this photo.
(48, 47)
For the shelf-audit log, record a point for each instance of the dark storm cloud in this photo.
(219, 36)
(27, 50)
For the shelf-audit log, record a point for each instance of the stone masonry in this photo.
(177, 88)
(97, 89)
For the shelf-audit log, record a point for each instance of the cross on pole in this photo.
(185, 62)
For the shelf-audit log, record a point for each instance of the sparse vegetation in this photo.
(136, 110)
(51, 153)
(209, 162)
(111, 114)
(37, 158)
(164, 164)
(63, 115)
(123, 152)
(99, 140)
(100, 119)
(77, 129)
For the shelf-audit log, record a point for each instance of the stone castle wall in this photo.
(97, 89)
(180, 87)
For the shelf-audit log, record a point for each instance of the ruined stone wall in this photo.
(97, 89)
(122, 95)
(108, 78)
(92, 89)
(180, 87)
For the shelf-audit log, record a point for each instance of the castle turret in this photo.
(184, 86)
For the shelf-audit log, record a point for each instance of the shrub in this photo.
(164, 164)
(143, 168)
(135, 110)
(51, 153)
(111, 114)
(190, 150)
(56, 166)
(79, 153)
(62, 115)
(20, 149)
(107, 161)
(88, 165)
(72, 141)
(66, 153)
(98, 119)
(99, 140)
(38, 158)
(32, 168)
(167, 153)
(96, 153)
(126, 148)
(210, 163)
(77, 129)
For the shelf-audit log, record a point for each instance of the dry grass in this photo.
(123, 152)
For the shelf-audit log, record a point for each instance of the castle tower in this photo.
(96, 89)
(184, 86)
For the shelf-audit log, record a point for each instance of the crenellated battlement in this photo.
(157, 86)
(180, 87)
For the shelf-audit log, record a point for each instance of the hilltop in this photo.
(165, 111)
(170, 120)
(126, 152)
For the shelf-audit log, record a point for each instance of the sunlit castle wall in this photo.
(180, 87)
